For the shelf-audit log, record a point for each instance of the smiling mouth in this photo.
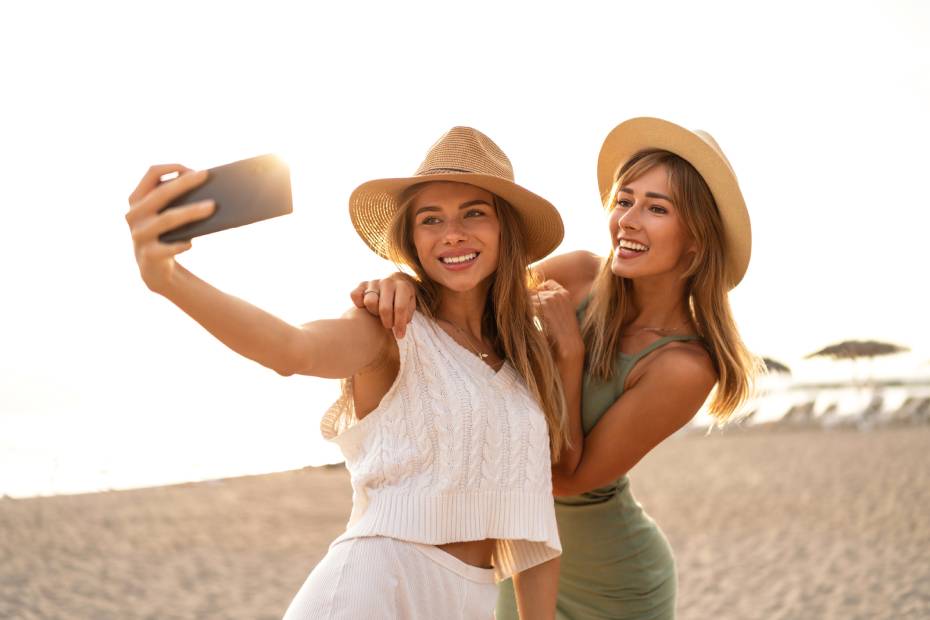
(627, 247)
(459, 260)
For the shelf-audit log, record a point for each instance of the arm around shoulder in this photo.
(573, 270)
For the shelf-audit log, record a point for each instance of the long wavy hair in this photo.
(705, 288)
(508, 319)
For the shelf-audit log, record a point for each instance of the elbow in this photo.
(563, 490)
(284, 364)
(562, 483)
(284, 371)
(296, 355)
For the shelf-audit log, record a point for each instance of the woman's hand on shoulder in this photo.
(392, 299)
(575, 271)
(556, 311)
(147, 219)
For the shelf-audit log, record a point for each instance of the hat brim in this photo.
(634, 135)
(373, 204)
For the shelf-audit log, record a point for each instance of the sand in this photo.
(765, 524)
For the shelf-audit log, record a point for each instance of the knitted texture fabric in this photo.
(454, 452)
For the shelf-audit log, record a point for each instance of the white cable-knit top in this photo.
(454, 452)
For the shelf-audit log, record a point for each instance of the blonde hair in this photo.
(705, 288)
(508, 319)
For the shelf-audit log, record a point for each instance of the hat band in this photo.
(444, 171)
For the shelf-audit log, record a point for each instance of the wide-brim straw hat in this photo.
(463, 155)
(700, 150)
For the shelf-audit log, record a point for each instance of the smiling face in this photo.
(648, 235)
(456, 234)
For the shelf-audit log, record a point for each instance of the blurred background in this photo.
(821, 108)
(822, 111)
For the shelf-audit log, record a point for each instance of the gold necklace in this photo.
(656, 329)
(468, 339)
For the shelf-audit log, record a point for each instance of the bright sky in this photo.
(821, 107)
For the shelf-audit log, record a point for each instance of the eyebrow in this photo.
(464, 205)
(648, 194)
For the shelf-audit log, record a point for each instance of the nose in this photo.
(454, 232)
(630, 219)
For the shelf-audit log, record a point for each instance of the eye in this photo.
(658, 209)
(474, 213)
(624, 203)
(430, 219)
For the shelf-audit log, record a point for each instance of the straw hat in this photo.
(700, 150)
(463, 155)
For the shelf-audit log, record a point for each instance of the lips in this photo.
(627, 249)
(460, 260)
(635, 246)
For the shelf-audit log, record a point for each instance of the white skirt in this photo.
(378, 577)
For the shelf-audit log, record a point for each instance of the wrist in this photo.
(165, 284)
(570, 354)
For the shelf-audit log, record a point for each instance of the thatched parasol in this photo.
(774, 366)
(853, 349)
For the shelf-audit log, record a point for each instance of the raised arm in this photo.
(575, 271)
(335, 348)
(393, 298)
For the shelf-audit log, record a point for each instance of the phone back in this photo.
(245, 191)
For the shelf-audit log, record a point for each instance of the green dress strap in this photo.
(630, 360)
(627, 361)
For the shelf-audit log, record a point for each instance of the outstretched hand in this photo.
(147, 219)
(393, 299)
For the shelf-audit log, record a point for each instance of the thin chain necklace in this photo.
(656, 329)
(469, 340)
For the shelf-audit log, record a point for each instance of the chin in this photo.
(620, 270)
(460, 285)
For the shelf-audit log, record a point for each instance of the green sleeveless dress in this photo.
(616, 563)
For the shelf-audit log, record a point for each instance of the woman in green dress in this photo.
(642, 337)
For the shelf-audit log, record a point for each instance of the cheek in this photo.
(421, 243)
(488, 231)
(613, 223)
(676, 241)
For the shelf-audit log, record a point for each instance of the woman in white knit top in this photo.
(448, 433)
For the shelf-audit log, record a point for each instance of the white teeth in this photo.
(453, 260)
(626, 244)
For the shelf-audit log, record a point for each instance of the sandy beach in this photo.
(772, 524)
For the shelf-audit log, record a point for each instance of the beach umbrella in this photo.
(774, 366)
(855, 349)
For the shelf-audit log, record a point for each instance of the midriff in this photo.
(475, 552)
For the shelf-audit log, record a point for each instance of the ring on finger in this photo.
(370, 290)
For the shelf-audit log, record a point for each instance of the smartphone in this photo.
(246, 191)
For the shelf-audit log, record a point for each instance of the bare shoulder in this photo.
(687, 366)
(369, 324)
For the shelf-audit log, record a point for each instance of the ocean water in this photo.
(828, 406)
(75, 450)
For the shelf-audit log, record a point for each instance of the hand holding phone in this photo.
(244, 192)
